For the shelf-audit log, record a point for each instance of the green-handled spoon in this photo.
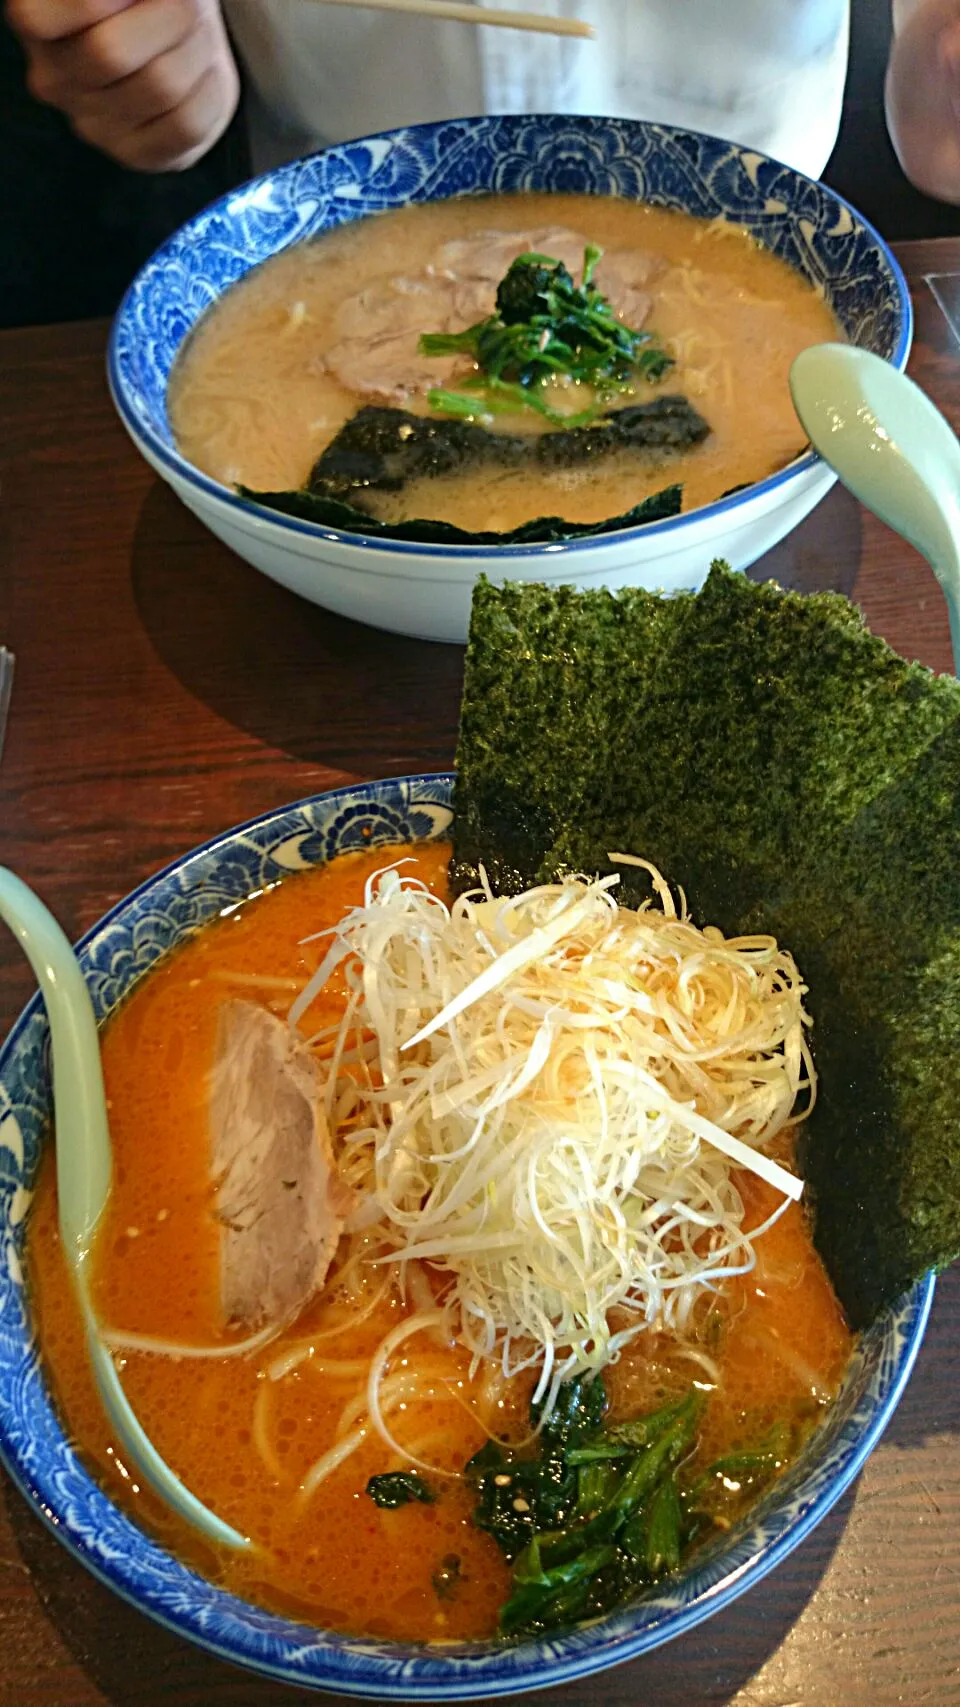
(886, 440)
(84, 1167)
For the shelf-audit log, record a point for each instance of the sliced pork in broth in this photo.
(277, 1201)
(379, 328)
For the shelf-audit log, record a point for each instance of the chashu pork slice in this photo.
(278, 1202)
(375, 352)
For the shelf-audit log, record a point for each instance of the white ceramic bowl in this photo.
(425, 590)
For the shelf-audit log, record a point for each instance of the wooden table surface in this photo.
(165, 690)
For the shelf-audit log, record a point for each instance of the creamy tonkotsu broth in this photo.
(290, 354)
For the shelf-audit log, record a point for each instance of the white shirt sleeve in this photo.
(765, 73)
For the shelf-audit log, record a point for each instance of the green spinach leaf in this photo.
(399, 1487)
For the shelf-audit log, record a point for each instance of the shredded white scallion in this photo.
(566, 1090)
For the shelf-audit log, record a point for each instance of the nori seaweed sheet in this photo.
(794, 775)
(543, 530)
(381, 450)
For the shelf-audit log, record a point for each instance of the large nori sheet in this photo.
(793, 774)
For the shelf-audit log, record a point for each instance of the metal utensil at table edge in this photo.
(7, 662)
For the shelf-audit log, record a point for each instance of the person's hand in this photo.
(923, 94)
(151, 82)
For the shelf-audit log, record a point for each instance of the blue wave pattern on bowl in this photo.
(801, 221)
(115, 954)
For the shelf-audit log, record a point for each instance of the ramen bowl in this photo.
(39, 1455)
(422, 589)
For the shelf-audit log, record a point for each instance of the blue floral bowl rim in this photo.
(179, 465)
(416, 1674)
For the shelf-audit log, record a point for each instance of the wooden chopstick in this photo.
(460, 13)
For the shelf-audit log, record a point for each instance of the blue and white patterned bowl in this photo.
(425, 589)
(115, 954)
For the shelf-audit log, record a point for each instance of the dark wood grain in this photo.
(165, 690)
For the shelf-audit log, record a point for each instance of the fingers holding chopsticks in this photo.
(152, 83)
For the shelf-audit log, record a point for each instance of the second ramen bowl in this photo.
(38, 1450)
(425, 590)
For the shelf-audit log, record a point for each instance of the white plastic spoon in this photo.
(84, 1167)
(886, 440)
